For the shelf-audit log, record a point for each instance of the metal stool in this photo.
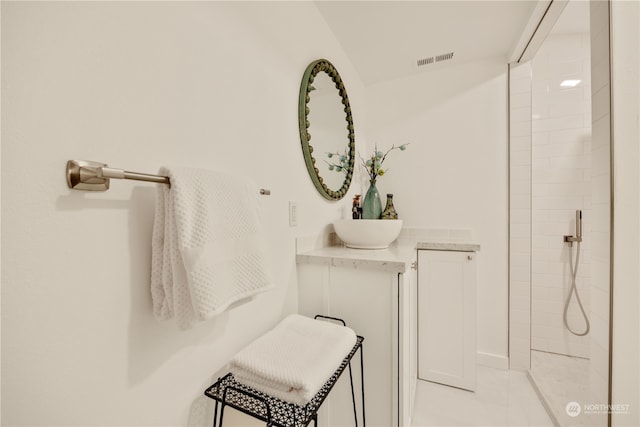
(275, 412)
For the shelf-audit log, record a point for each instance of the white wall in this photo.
(454, 173)
(625, 53)
(140, 85)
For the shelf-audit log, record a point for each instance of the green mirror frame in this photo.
(322, 65)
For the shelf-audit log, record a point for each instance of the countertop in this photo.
(397, 258)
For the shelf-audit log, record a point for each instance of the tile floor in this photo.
(503, 398)
(563, 379)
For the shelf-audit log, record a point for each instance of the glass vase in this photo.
(372, 206)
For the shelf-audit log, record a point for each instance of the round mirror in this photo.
(326, 129)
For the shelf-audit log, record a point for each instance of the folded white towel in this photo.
(207, 248)
(293, 360)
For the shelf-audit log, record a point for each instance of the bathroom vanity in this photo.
(376, 293)
(370, 290)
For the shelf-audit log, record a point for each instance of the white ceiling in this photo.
(384, 39)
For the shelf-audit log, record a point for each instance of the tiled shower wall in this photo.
(561, 184)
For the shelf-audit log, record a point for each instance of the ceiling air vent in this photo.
(444, 57)
(424, 61)
(433, 59)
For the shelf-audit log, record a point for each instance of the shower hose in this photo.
(574, 289)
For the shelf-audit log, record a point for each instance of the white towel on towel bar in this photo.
(293, 360)
(207, 248)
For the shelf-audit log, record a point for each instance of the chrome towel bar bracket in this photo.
(95, 176)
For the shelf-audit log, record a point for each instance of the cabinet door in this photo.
(447, 318)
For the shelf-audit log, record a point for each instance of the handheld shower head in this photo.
(579, 225)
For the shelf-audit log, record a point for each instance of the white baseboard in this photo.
(492, 360)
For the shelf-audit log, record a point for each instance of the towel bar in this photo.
(95, 176)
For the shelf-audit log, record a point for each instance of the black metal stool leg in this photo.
(224, 403)
(353, 396)
(215, 415)
(222, 413)
(364, 421)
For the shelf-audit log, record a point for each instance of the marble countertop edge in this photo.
(449, 246)
(361, 262)
(397, 258)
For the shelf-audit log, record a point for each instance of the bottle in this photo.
(389, 210)
(356, 209)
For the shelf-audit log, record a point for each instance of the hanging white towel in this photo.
(293, 360)
(207, 248)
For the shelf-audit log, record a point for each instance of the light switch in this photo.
(293, 214)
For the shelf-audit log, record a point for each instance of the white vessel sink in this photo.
(367, 233)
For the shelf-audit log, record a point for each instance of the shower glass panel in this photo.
(568, 265)
(561, 185)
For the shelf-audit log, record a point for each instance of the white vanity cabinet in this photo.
(376, 298)
(447, 317)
